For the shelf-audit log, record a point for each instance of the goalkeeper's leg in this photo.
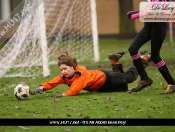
(114, 58)
(129, 76)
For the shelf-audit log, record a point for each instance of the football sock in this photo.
(114, 62)
(165, 72)
(138, 64)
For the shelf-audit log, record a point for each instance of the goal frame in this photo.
(43, 42)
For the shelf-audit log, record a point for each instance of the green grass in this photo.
(147, 103)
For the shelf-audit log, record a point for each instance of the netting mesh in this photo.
(68, 28)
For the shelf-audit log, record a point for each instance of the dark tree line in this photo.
(127, 27)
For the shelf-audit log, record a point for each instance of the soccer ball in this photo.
(21, 91)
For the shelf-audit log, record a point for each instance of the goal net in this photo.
(55, 26)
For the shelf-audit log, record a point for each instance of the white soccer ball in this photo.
(21, 91)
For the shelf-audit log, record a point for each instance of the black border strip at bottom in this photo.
(87, 122)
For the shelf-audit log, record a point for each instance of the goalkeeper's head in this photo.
(66, 59)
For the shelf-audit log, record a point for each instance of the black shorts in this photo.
(108, 86)
(155, 31)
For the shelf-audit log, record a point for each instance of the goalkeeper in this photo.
(79, 78)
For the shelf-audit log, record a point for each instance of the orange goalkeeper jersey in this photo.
(83, 79)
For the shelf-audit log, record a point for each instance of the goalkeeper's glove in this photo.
(133, 15)
(38, 90)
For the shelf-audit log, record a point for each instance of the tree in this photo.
(127, 27)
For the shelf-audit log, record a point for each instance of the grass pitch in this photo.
(147, 103)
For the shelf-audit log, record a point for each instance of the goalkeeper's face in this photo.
(67, 71)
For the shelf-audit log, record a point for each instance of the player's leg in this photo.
(145, 57)
(161, 65)
(140, 39)
(118, 78)
(114, 75)
(114, 59)
(158, 36)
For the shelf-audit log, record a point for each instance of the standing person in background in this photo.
(156, 32)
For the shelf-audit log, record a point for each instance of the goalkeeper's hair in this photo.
(66, 59)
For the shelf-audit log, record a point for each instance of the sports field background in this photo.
(145, 104)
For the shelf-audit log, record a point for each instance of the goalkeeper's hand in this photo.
(36, 91)
(133, 15)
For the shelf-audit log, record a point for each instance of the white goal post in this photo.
(55, 26)
(95, 31)
(43, 40)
